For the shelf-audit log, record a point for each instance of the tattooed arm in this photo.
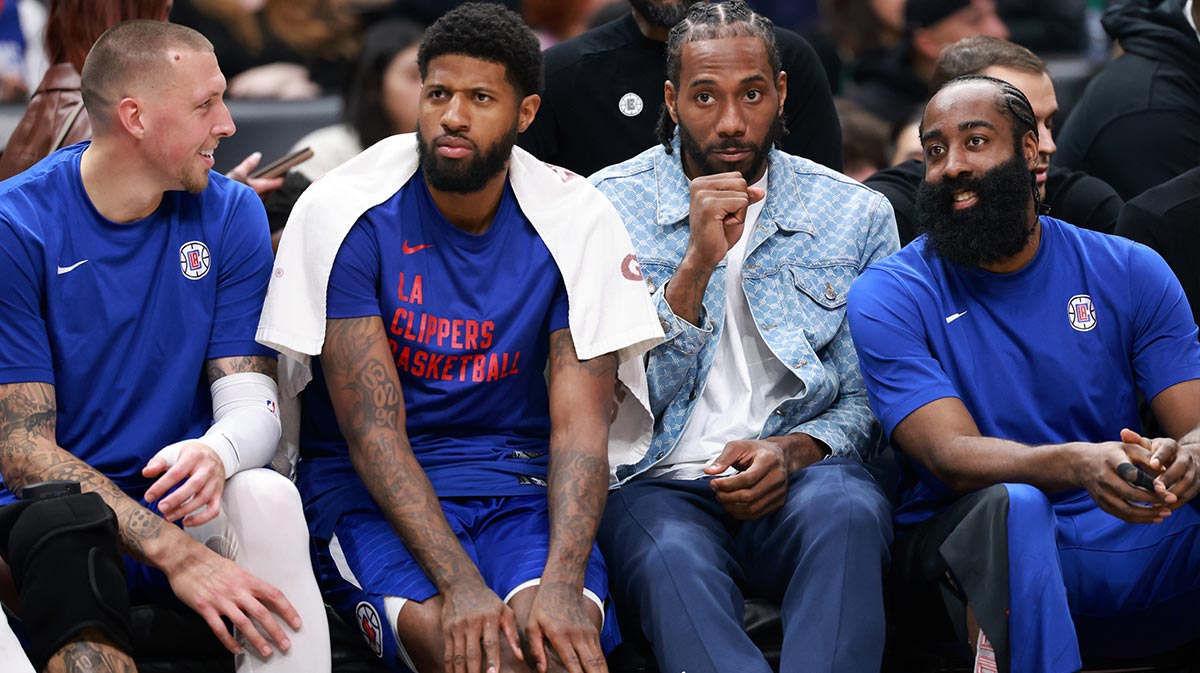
(580, 403)
(213, 586)
(365, 390)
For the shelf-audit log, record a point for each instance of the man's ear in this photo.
(129, 117)
(781, 87)
(670, 101)
(1029, 146)
(527, 111)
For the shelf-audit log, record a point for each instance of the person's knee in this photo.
(264, 491)
(851, 505)
(63, 551)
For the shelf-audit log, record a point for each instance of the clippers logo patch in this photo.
(368, 623)
(631, 105)
(630, 267)
(194, 260)
(1081, 313)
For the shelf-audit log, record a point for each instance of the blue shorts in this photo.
(508, 539)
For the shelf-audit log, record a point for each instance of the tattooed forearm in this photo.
(581, 395)
(255, 364)
(365, 390)
(29, 454)
(92, 654)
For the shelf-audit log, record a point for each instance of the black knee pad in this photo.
(68, 570)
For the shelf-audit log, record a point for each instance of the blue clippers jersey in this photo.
(1053, 353)
(468, 318)
(120, 318)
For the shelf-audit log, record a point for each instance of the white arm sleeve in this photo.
(245, 429)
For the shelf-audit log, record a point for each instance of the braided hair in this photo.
(714, 22)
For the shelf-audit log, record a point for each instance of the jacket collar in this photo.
(785, 208)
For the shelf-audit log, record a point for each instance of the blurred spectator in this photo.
(426, 12)
(380, 101)
(284, 49)
(1071, 196)
(561, 19)
(1138, 123)
(865, 145)
(1046, 26)
(851, 29)
(55, 116)
(22, 54)
(906, 141)
(604, 92)
(891, 84)
(1165, 218)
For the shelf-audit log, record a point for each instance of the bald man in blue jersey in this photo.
(131, 280)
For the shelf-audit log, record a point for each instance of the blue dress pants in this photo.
(685, 566)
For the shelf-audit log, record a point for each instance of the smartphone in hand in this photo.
(283, 164)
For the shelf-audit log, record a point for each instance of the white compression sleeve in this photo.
(245, 429)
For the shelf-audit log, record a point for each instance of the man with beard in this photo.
(752, 484)
(1004, 353)
(453, 495)
(604, 92)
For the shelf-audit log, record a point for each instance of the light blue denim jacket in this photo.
(817, 231)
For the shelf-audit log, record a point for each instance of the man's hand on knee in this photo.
(201, 473)
(473, 615)
(559, 614)
(216, 587)
(760, 487)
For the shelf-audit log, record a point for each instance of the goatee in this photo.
(699, 156)
(465, 176)
(995, 228)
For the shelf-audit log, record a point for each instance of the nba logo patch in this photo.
(1081, 313)
(368, 623)
(194, 260)
(271, 407)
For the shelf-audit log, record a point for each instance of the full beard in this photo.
(663, 14)
(699, 156)
(995, 228)
(465, 176)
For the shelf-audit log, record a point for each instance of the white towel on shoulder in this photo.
(610, 310)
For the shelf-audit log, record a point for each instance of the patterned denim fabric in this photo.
(817, 231)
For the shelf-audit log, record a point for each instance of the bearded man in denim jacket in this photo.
(753, 482)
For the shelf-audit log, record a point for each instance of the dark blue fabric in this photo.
(685, 566)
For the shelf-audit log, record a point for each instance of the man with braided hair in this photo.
(752, 483)
(1004, 353)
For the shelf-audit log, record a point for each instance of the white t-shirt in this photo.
(746, 383)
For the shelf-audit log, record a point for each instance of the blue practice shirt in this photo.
(121, 317)
(468, 318)
(1053, 353)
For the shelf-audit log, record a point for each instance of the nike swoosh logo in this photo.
(68, 269)
(406, 249)
(956, 316)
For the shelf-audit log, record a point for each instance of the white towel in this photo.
(610, 307)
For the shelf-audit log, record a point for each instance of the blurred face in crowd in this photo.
(402, 90)
(663, 13)
(183, 117)
(1038, 88)
(470, 115)
(976, 201)
(908, 145)
(977, 18)
(729, 106)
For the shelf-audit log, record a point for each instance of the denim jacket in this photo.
(817, 231)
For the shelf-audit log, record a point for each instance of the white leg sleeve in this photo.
(12, 657)
(261, 527)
